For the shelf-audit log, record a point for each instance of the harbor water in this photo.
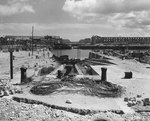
(72, 53)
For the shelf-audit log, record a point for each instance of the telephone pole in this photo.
(32, 38)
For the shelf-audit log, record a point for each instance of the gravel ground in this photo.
(14, 111)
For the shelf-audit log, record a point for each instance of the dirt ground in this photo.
(139, 84)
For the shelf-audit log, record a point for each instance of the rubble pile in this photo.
(10, 110)
(132, 101)
(14, 111)
(139, 104)
(7, 89)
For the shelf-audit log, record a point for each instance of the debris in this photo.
(131, 101)
(11, 91)
(1, 93)
(139, 96)
(6, 92)
(126, 99)
(146, 102)
(69, 101)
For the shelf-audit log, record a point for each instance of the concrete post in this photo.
(23, 74)
(128, 75)
(104, 74)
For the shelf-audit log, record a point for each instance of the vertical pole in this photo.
(32, 38)
(11, 65)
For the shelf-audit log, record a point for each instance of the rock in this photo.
(18, 90)
(132, 99)
(139, 96)
(1, 93)
(126, 99)
(130, 103)
(134, 102)
(57, 114)
(11, 118)
(146, 101)
(139, 102)
(12, 92)
(69, 101)
(6, 93)
(102, 119)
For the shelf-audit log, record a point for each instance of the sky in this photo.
(75, 19)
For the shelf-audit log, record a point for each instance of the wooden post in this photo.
(11, 63)
(32, 38)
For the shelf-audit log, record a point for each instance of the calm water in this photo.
(72, 53)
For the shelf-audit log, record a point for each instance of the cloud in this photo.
(121, 13)
(42, 26)
(71, 31)
(81, 8)
(140, 19)
(15, 7)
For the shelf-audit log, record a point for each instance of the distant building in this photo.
(26, 41)
(56, 39)
(66, 41)
(120, 40)
(86, 40)
(11, 37)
